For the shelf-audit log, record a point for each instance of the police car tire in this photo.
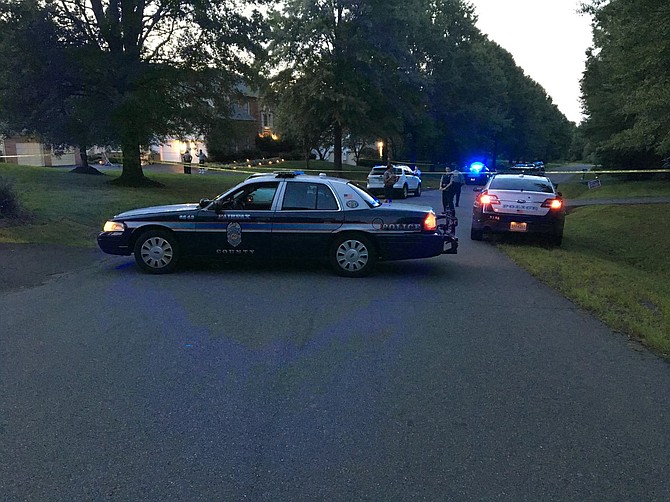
(352, 255)
(476, 235)
(417, 192)
(157, 251)
(405, 192)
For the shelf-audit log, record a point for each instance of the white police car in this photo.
(406, 181)
(280, 216)
(519, 203)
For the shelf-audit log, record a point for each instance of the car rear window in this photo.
(308, 196)
(380, 170)
(529, 184)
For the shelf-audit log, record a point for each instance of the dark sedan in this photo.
(281, 216)
(476, 173)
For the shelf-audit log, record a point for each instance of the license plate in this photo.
(518, 208)
(515, 226)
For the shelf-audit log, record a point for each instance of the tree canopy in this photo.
(416, 74)
(129, 72)
(626, 85)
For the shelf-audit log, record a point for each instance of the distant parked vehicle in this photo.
(525, 168)
(476, 173)
(406, 182)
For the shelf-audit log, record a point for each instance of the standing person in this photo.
(389, 181)
(186, 159)
(458, 181)
(447, 189)
(417, 172)
(201, 162)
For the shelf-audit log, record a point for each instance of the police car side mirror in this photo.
(204, 203)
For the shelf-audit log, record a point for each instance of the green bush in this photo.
(368, 162)
(9, 203)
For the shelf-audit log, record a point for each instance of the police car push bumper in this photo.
(450, 245)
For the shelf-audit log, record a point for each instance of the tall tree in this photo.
(626, 85)
(35, 93)
(155, 67)
(341, 65)
(478, 102)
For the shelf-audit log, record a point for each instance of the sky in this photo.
(547, 38)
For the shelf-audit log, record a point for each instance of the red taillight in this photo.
(488, 199)
(553, 203)
(430, 223)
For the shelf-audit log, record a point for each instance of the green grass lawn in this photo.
(613, 261)
(65, 208)
(611, 187)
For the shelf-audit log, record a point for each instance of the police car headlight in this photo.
(114, 226)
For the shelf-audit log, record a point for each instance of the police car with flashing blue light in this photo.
(282, 215)
(476, 173)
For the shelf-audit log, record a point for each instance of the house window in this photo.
(267, 120)
(241, 108)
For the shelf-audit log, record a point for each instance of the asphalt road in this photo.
(455, 378)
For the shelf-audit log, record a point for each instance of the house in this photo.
(250, 119)
(30, 152)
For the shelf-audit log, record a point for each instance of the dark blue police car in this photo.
(477, 173)
(281, 216)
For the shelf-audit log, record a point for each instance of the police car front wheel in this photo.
(157, 252)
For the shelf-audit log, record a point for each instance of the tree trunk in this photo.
(132, 174)
(337, 154)
(81, 160)
(83, 156)
(307, 151)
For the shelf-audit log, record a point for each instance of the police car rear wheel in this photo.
(405, 192)
(417, 192)
(156, 252)
(352, 256)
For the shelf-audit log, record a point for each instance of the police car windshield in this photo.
(365, 195)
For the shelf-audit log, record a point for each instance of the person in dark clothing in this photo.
(389, 180)
(186, 159)
(447, 188)
(458, 181)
